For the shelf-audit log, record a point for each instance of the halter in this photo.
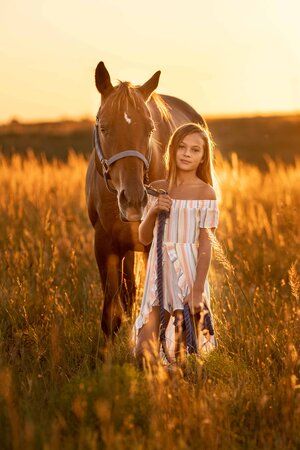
(103, 164)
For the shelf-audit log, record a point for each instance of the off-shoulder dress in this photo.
(180, 252)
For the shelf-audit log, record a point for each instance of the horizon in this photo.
(246, 115)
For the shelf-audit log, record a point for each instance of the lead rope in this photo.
(160, 283)
(191, 339)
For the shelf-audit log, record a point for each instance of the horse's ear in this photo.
(102, 79)
(147, 88)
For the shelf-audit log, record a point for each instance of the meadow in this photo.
(61, 388)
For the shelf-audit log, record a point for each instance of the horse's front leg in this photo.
(110, 269)
(129, 287)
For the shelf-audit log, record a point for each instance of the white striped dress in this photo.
(180, 251)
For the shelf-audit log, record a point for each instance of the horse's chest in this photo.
(123, 235)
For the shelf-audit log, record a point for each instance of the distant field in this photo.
(60, 388)
(250, 138)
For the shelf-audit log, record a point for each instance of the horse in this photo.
(133, 127)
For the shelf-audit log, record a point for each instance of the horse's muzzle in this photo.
(131, 212)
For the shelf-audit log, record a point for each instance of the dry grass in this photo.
(60, 389)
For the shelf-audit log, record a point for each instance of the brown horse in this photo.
(131, 133)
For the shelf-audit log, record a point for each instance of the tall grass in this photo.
(61, 388)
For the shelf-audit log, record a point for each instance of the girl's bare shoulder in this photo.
(206, 192)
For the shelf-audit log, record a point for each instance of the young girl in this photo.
(192, 206)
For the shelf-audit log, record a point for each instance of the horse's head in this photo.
(125, 123)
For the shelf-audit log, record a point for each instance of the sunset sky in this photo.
(223, 57)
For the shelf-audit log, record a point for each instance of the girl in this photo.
(192, 206)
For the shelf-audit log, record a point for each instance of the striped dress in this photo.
(180, 250)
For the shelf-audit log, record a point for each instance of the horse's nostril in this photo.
(132, 199)
(122, 197)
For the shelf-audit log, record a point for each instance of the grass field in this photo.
(59, 387)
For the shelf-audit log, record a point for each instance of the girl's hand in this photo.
(162, 203)
(196, 301)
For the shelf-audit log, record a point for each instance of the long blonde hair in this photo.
(205, 170)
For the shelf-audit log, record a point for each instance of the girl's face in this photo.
(190, 152)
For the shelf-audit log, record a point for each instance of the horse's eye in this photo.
(104, 130)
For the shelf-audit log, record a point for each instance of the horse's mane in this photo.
(126, 93)
(162, 106)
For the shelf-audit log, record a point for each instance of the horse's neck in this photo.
(163, 128)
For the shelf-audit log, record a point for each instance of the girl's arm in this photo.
(203, 261)
(161, 203)
(196, 296)
(208, 221)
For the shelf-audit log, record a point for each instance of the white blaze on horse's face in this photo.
(127, 118)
